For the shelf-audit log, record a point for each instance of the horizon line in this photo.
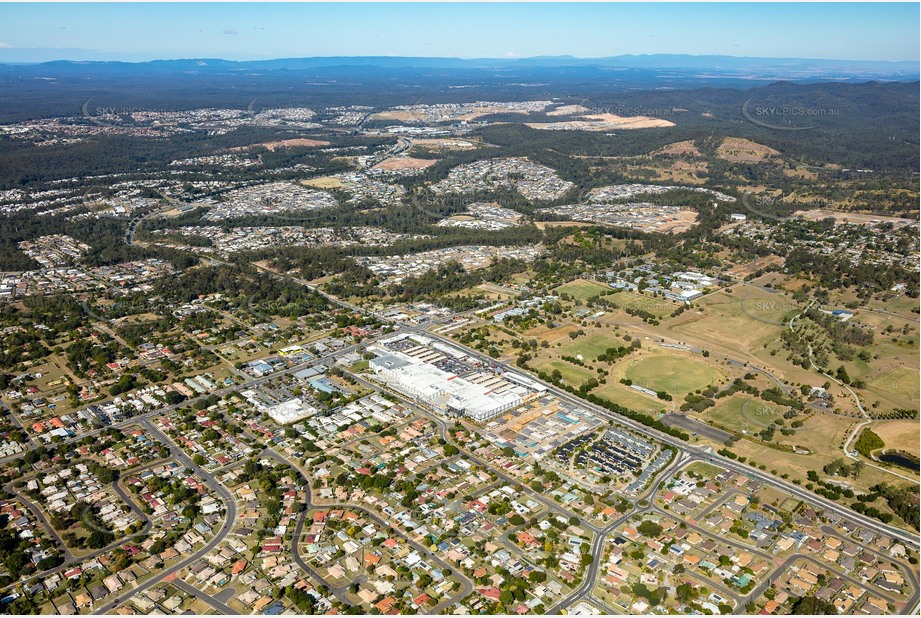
(423, 57)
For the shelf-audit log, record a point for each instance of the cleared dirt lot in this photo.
(685, 148)
(850, 217)
(568, 110)
(632, 122)
(739, 150)
(743, 270)
(324, 182)
(603, 122)
(300, 142)
(685, 220)
(405, 163)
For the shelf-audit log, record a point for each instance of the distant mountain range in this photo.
(686, 65)
(61, 88)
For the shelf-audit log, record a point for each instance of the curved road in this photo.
(230, 517)
(466, 585)
(905, 536)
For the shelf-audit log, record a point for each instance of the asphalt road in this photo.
(339, 592)
(684, 448)
(597, 549)
(909, 538)
(466, 585)
(695, 426)
(230, 517)
(207, 598)
(40, 516)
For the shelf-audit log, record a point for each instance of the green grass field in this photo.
(581, 289)
(677, 375)
(898, 380)
(704, 469)
(659, 307)
(591, 345)
(573, 374)
(741, 411)
(624, 396)
(744, 323)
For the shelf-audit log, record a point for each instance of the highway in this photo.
(905, 536)
(687, 452)
(700, 453)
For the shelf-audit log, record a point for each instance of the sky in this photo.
(31, 32)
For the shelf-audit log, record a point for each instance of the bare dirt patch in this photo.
(632, 122)
(739, 150)
(678, 149)
(324, 182)
(850, 217)
(300, 142)
(405, 163)
(603, 122)
(568, 110)
(401, 115)
(743, 270)
(685, 220)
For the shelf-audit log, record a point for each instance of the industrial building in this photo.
(290, 411)
(435, 375)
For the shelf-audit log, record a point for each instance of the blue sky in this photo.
(243, 31)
